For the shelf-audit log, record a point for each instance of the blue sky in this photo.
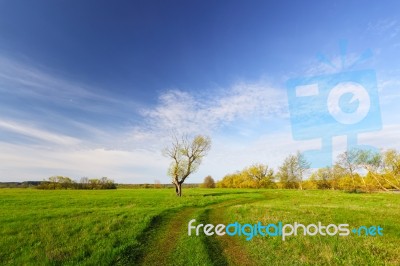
(94, 88)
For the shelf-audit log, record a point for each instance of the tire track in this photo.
(160, 238)
(164, 243)
(167, 236)
(225, 250)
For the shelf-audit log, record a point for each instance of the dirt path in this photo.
(164, 243)
(166, 237)
(160, 238)
(231, 249)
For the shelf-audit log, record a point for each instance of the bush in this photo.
(208, 182)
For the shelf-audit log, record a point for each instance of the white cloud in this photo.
(242, 103)
(38, 133)
(184, 112)
(36, 84)
(387, 138)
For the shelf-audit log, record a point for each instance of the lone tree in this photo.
(186, 157)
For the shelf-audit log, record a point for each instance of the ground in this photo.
(150, 227)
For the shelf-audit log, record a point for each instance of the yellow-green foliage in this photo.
(357, 170)
(255, 176)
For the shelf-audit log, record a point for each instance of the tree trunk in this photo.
(178, 188)
(365, 184)
(390, 183)
(354, 183)
(379, 183)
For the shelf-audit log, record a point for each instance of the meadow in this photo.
(150, 227)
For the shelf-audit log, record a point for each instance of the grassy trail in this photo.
(157, 240)
(162, 245)
(231, 249)
(161, 242)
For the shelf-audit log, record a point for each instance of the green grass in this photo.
(142, 226)
(328, 207)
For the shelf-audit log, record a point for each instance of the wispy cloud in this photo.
(388, 28)
(387, 138)
(32, 98)
(36, 133)
(36, 84)
(389, 85)
(184, 112)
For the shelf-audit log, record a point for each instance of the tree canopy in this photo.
(186, 155)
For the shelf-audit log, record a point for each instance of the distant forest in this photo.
(62, 182)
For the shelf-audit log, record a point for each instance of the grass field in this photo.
(149, 227)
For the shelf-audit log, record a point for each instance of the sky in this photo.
(96, 88)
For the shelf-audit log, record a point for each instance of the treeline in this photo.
(354, 170)
(24, 184)
(62, 182)
(155, 185)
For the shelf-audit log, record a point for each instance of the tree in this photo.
(83, 183)
(286, 173)
(255, 176)
(292, 171)
(186, 157)
(391, 165)
(260, 174)
(337, 174)
(157, 183)
(348, 161)
(323, 177)
(302, 167)
(106, 183)
(373, 162)
(208, 182)
(58, 182)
